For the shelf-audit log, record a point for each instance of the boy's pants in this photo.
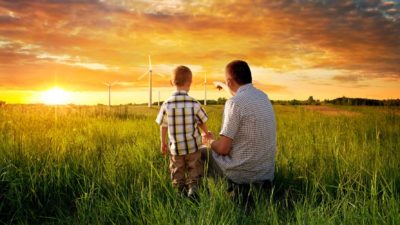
(180, 164)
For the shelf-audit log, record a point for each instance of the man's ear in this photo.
(229, 82)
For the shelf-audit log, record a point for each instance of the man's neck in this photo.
(236, 88)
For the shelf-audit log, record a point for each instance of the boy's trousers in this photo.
(182, 164)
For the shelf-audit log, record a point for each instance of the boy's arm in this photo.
(202, 119)
(203, 127)
(207, 135)
(163, 136)
(162, 121)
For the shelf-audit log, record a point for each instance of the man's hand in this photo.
(164, 148)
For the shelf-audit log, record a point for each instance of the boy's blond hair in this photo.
(182, 74)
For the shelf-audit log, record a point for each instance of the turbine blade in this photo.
(150, 67)
(160, 74)
(143, 75)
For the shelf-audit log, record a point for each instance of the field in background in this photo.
(91, 165)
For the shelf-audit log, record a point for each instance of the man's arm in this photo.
(222, 146)
(229, 129)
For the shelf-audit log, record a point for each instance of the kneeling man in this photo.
(245, 151)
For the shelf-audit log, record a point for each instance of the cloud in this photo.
(112, 39)
(348, 78)
(270, 87)
(75, 61)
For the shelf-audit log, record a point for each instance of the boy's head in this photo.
(182, 77)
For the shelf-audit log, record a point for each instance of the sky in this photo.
(295, 49)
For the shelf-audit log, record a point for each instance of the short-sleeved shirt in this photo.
(182, 114)
(249, 120)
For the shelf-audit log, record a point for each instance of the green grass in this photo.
(89, 165)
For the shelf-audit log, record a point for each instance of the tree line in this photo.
(341, 101)
(309, 101)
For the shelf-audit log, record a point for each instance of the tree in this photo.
(310, 100)
(295, 102)
(221, 101)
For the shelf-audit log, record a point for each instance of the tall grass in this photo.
(92, 165)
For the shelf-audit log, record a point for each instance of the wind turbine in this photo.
(150, 72)
(204, 83)
(109, 85)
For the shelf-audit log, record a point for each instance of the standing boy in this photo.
(181, 116)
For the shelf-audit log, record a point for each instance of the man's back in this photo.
(249, 121)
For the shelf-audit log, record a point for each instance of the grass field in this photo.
(89, 165)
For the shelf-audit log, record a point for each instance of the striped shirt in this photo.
(249, 121)
(182, 114)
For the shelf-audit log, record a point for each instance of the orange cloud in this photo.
(90, 42)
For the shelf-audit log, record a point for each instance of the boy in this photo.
(181, 116)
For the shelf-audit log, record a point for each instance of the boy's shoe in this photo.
(193, 193)
(181, 190)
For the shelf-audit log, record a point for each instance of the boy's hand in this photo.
(207, 137)
(164, 148)
(210, 136)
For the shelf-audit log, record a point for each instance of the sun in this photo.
(55, 96)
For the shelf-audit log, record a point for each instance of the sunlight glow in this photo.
(55, 96)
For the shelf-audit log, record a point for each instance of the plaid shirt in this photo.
(182, 114)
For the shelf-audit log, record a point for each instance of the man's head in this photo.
(182, 78)
(237, 73)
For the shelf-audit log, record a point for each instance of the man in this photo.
(245, 151)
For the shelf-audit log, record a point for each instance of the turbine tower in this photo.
(109, 85)
(158, 104)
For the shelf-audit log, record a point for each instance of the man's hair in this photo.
(240, 71)
(181, 75)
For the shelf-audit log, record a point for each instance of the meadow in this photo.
(94, 165)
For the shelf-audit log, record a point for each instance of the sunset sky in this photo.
(295, 49)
